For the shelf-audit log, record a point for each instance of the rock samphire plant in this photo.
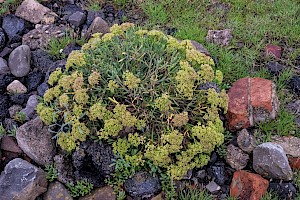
(153, 97)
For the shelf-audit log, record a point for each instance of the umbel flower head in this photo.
(138, 89)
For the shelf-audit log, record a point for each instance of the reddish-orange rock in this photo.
(294, 163)
(251, 100)
(238, 105)
(248, 186)
(273, 50)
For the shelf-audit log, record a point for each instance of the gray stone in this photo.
(4, 69)
(98, 26)
(34, 12)
(212, 187)
(57, 191)
(42, 89)
(290, 144)
(220, 37)
(77, 18)
(13, 110)
(40, 37)
(14, 27)
(270, 161)
(19, 61)
(246, 141)
(64, 169)
(199, 47)
(142, 185)
(16, 87)
(2, 39)
(236, 158)
(35, 140)
(31, 105)
(21, 180)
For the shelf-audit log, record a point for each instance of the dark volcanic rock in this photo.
(14, 27)
(142, 185)
(295, 84)
(4, 105)
(92, 161)
(2, 39)
(209, 85)
(5, 80)
(77, 18)
(33, 80)
(41, 60)
(71, 47)
(217, 173)
(22, 180)
(19, 98)
(283, 190)
(275, 68)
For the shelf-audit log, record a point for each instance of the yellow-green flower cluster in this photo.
(81, 96)
(186, 78)
(47, 114)
(112, 85)
(94, 78)
(180, 119)
(99, 111)
(63, 100)
(206, 73)
(163, 103)
(120, 29)
(52, 93)
(131, 81)
(76, 59)
(54, 76)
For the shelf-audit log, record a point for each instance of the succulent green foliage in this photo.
(80, 188)
(139, 90)
(51, 172)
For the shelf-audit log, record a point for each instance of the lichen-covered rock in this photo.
(246, 185)
(142, 185)
(65, 173)
(270, 161)
(284, 190)
(21, 180)
(236, 158)
(57, 191)
(36, 141)
(105, 193)
(220, 37)
(246, 141)
(251, 100)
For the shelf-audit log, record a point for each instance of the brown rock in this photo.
(251, 100)
(16, 87)
(200, 47)
(106, 193)
(238, 105)
(98, 26)
(236, 158)
(294, 163)
(290, 145)
(273, 50)
(33, 11)
(57, 191)
(158, 197)
(9, 143)
(246, 185)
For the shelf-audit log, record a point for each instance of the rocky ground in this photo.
(244, 167)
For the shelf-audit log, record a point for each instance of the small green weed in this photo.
(9, 6)
(51, 172)
(20, 117)
(221, 150)
(81, 188)
(284, 125)
(194, 194)
(270, 196)
(94, 5)
(12, 132)
(2, 130)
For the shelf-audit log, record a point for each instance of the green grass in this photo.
(254, 23)
(56, 45)
(194, 194)
(9, 6)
